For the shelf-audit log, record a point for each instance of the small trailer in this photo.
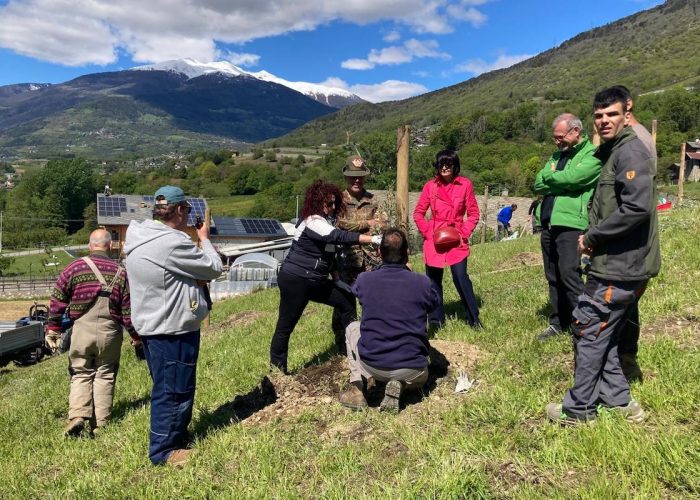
(23, 341)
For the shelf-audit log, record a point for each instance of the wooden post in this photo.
(681, 175)
(207, 224)
(402, 146)
(485, 212)
(654, 126)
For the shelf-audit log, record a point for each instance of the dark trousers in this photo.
(464, 287)
(348, 275)
(295, 294)
(600, 315)
(629, 336)
(172, 362)
(562, 271)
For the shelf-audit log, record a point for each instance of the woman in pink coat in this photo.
(450, 198)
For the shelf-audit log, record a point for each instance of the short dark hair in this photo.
(514, 206)
(447, 157)
(608, 97)
(394, 246)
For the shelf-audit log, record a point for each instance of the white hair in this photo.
(572, 121)
(102, 241)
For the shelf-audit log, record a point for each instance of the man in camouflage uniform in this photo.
(362, 215)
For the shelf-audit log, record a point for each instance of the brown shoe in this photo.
(178, 458)
(353, 397)
(392, 396)
(75, 427)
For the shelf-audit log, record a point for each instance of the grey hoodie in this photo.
(163, 265)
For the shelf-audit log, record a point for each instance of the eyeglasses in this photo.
(189, 208)
(446, 166)
(330, 203)
(559, 138)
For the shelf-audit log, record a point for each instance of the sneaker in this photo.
(75, 427)
(178, 458)
(353, 397)
(630, 368)
(392, 395)
(558, 416)
(633, 412)
(548, 333)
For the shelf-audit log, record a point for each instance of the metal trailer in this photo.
(23, 341)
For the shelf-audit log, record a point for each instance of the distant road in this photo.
(42, 250)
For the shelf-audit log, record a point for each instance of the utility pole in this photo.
(402, 137)
(1, 232)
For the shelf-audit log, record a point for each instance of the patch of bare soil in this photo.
(683, 329)
(243, 318)
(284, 396)
(522, 259)
(12, 310)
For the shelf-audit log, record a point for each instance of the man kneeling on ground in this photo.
(390, 343)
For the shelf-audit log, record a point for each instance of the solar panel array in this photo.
(198, 208)
(228, 226)
(261, 226)
(111, 206)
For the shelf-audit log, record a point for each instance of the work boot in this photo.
(548, 333)
(75, 427)
(392, 395)
(556, 415)
(178, 458)
(353, 398)
(633, 412)
(630, 368)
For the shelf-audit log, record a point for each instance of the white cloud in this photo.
(389, 90)
(392, 36)
(358, 64)
(410, 50)
(244, 59)
(470, 14)
(479, 66)
(93, 31)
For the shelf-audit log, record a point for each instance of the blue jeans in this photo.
(464, 288)
(172, 362)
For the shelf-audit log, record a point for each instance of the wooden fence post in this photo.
(402, 147)
(681, 175)
(485, 212)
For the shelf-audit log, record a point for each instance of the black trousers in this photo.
(629, 336)
(295, 294)
(464, 287)
(563, 273)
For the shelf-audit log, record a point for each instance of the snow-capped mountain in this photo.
(330, 96)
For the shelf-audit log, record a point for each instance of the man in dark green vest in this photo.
(623, 242)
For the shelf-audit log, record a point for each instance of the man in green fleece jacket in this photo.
(567, 182)
(623, 242)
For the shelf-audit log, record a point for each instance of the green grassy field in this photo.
(34, 265)
(232, 206)
(491, 443)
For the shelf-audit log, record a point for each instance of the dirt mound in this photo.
(284, 396)
(522, 259)
(683, 329)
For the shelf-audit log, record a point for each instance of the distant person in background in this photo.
(503, 221)
(361, 216)
(95, 292)
(629, 337)
(304, 275)
(390, 343)
(623, 242)
(567, 182)
(169, 304)
(450, 198)
(533, 214)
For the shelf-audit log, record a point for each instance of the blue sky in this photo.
(380, 49)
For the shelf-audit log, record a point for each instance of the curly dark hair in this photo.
(447, 157)
(317, 194)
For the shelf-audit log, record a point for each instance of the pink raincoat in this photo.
(448, 205)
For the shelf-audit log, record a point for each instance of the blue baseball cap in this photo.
(172, 195)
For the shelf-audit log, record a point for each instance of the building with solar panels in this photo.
(114, 212)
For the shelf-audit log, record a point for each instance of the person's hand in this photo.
(202, 232)
(582, 248)
(377, 239)
(138, 349)
(53, 340)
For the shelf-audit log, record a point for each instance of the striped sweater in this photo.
(77, 288)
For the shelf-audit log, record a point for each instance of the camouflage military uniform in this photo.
(352, 260)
